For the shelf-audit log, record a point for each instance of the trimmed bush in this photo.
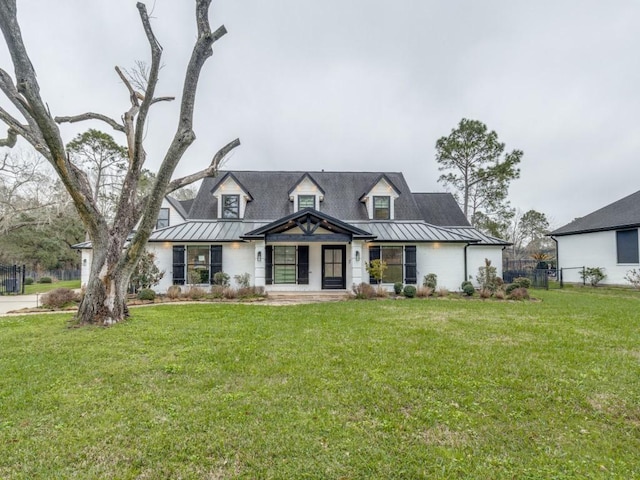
(468, 289)
(45, 280)
(59, 298)
(146, 294)
(174, 292)
(363, 291)
(397, 288)
(28, 281)
(522, 282)
(430, 280)
(409, 291)
(462, 285)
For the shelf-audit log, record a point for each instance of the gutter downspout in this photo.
(466, 276)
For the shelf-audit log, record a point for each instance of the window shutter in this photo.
(303, 265)
(410, 265)
(268, 265)
(374, 254)
(178, 264)
(216, 261)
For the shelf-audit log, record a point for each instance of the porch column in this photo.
(259, 260)
(356, 261)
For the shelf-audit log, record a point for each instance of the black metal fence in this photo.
(62, 274)
(11, 279)
(541, 274)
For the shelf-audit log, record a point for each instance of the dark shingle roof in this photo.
(620, 214)
(270, 190)
(440, 209)
(178, 205)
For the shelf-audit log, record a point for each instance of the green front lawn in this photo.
(363, 389)
(45, 287)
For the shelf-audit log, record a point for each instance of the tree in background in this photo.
(478, 172)
(527, 233)
(105, 164)
(114, 255)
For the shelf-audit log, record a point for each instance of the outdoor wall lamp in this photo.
(357, 255)
(259, 257)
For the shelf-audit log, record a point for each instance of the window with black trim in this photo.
(231, 206)
(627, 246)
(284, 264)
(381, 208)
(392, 257)
(306, 201)
(163, 218)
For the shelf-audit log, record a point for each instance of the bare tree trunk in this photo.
(104, 302)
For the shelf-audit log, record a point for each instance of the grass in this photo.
(45, 287)
(385, 389)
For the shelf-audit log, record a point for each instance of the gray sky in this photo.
(371, 84)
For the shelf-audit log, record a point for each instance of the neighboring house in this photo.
(313, 231)
(606, 238)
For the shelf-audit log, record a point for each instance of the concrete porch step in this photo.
(322, 295)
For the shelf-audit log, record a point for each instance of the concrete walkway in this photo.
(16, 302)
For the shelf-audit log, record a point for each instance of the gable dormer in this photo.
(306, 193)
(232, 198)
(380, 199)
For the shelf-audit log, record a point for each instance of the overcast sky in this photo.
(371, 85)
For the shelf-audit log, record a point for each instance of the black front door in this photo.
(334, 266)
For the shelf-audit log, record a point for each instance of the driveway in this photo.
(16, 302)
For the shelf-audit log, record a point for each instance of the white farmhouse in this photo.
(315, 231)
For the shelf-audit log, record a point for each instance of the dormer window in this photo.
(230, 206)
(163, 218)
(306, 201)
(381, 208)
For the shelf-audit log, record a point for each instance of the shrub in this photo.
(146, 274)
(522, 282)
(499, 282)
(487, 276)
(363, 291)
(229, 293)
(462, 285)
(146, 294)
(28, 281)
(45, 280)
(196, 293)
(409, 291)
(250, 292)
(430, 280)
(443, 292)
(381, 292)
(468, 289)
(485, 293)
(174, 292)
(511, 287)
(59, 298)
(519, 293)
(221, 278)
(593, 275)
(500, 294)
(632, 276)
(397, 288)
(376, 269)
(424, 292)
(217, 291)
(243, 280)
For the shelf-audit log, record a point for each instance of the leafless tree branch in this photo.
(210, 171)
(90, 116)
